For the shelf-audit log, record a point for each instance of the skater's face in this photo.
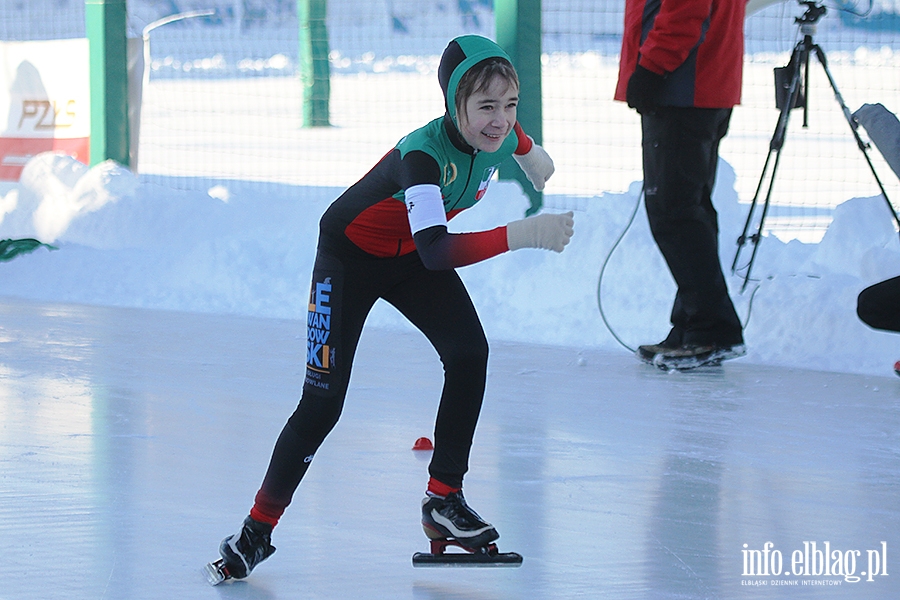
(489, 114)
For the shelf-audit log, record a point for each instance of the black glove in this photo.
(644, 90)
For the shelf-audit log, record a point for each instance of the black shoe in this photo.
(648, 352)
(243, 551)
(691, 356)
(451, 517)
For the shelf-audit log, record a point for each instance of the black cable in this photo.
(637, 205)
(750, 306)
(851, 9)
(606, 260)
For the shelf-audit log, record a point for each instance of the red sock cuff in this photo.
(261, 517)
(439, 488)
(266, 511)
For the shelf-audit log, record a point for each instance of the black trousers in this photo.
(680, 156)
(345, 285)
(879, 305)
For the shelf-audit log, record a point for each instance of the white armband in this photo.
(425, 207)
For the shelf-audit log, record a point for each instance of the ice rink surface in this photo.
(132, 441)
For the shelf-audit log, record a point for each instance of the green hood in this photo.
(461, 54)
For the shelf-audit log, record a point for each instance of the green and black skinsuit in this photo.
(386, 237)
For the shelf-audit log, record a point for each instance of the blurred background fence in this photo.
(223, 100)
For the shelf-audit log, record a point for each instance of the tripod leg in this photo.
(799, 56)
(742, 239)
(820, 54)
(757, 237)
(806, 86)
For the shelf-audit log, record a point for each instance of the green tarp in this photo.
(9, 249)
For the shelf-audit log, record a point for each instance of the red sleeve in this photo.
(441, 250)
(525, 142)
(676, 31)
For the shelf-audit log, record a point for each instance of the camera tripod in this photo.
(790, 83)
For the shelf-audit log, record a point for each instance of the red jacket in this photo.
(698, 44)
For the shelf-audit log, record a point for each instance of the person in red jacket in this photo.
(680, 68)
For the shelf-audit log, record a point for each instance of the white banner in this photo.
(45, 95)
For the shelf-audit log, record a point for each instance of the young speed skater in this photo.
(386, 237)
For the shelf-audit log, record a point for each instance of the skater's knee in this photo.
(469, 356)
(315, 417)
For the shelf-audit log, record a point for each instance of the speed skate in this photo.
(483, 556)
(216, 572)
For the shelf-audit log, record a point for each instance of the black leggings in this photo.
(345, 285)
(879, 305)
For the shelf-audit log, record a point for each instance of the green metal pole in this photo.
(106, 25)
(315, 72)
(518, 25)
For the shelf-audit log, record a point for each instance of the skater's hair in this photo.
(479, 78)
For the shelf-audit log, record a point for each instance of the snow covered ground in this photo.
(247, 248)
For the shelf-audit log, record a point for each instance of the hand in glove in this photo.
(546, 231)
(644, 90)
(537, 166)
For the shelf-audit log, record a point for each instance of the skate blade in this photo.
(485, 556)
(216, 572)
(688, 363)
(458, 559)
(685, 365)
